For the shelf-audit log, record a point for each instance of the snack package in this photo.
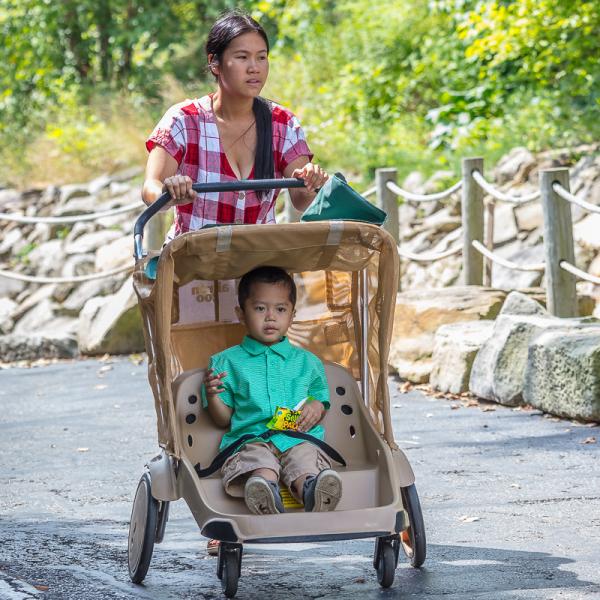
(284, 418)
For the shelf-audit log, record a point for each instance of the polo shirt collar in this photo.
(254, 347)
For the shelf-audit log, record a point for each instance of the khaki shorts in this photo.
(303, 459)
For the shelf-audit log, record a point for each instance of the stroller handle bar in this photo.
(247, 185)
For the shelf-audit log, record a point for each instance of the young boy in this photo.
(246, 383)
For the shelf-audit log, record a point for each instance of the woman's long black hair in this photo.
(229, 26)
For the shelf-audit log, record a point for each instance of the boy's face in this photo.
(268, 312)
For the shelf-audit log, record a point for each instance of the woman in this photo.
(230, 134)
(227, 135)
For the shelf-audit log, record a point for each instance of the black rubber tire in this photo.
(415, 547)
(386, 565)
(163, 517)
(142, 530)
(231, 574)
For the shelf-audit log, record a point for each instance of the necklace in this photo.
(239, 137)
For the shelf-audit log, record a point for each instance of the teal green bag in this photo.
(337, 201)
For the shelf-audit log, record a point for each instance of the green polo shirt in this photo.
(259, 379)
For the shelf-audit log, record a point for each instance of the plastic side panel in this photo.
(162, 475)
(404, 471)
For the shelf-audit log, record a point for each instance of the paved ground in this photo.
(511, 502)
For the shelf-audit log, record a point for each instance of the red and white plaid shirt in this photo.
(188, 132)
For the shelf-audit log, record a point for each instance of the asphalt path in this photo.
(511, 501)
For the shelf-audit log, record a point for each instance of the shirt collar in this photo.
(254, 347)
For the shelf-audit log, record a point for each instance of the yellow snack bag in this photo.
(284, 418)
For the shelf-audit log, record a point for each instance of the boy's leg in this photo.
(306, 470)
(253, 473)
(255, 458)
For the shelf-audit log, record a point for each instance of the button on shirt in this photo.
(259, 379)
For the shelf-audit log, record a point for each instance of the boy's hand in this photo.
(311, 413)
(213, 383)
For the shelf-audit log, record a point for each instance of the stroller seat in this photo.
(347, 426)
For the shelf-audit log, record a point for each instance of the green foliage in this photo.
(408, 83)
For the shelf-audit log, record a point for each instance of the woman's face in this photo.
(244, 66)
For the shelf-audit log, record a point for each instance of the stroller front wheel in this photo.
(142, 530)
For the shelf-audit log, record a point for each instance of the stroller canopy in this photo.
(327, 260)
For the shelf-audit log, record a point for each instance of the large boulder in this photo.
(563, 373)
(111, 324)
(498, 371)
(418, 315)
(454, 350)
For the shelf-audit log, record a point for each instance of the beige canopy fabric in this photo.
(188, 310)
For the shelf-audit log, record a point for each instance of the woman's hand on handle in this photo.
(180, 189)
(313, 176)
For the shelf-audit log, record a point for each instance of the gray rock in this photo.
(127, 174)
(563, 373)
(11, 287)
(76, 206)
(529, 216)
(454, 350)
(9, 197)
(47, 258)
(90, 242)
(510, 279)
(73, 190)
(505, 227)
(499, 368)
(36, 318)
(33, 299)
(585, 233)
(517, 303)
(111, 324)
(12, 242)
(7, 307)
(100, 183)
(78, 264)
(15, 347)
(115, 254)
(78, 230)
(514, 166)
(75, 302)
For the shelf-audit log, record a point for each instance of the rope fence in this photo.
(69, 220)
(505, 263)
(423, 197)
(498, 195)
(566, 195)
(73, 279)
(578, 272)
(431, 257)
(478, 198)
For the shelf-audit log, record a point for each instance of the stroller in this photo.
(346, 274)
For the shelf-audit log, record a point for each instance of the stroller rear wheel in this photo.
(229, 567)
(412, 539)
(142, 530)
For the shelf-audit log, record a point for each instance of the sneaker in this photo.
(322, 492)
(262, 497)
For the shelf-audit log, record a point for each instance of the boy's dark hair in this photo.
(265, 275)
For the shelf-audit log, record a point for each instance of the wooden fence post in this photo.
(472, 221)
(561, 291)
(387, 201)
(490, 207)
